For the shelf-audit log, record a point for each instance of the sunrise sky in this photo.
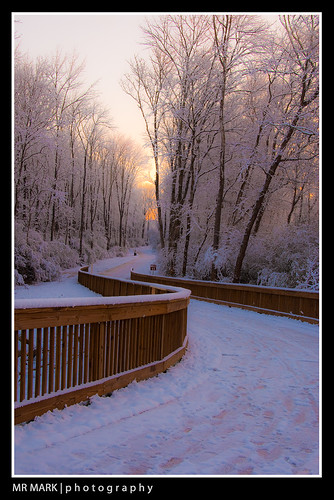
(107, 41)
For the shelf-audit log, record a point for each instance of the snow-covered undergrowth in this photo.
(67, 286)
(285, 257)
(37, 260)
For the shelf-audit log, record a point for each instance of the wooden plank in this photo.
(92, 352)
(38, 362)
(75, 356)
(134, 339)
(58, 357)
(30, 363)
(81, 354)
(108, 349)
(86, 353)
(45, 361)
(58, 316)
(16, 370)
(70, 355)
(101, 350)
(23, 366)
(120, 347)
(51, 360)
(64, 357)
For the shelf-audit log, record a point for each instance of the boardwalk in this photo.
(243, 401)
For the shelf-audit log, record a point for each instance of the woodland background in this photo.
(231, 110)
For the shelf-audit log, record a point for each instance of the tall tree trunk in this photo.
(259, 202)
(83, 199)
(220, 195)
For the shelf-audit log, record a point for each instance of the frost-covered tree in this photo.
(236, 43)
(65, 197)
(230, 109)
(145, 84)
(32, 120)
(294, 106)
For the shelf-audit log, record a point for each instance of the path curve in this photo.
(243, 401)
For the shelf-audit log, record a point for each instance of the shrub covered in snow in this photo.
(292, 259)
(37, 260)
(288, 257)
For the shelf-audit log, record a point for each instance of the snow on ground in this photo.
(243, 401)
(68, 286)
(122, 268)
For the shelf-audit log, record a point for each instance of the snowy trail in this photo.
(243, 401)
(139, 263)
(68, 286)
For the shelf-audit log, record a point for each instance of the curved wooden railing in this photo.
(290, 302)
(66, 350)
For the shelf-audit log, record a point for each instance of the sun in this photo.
(151, 213)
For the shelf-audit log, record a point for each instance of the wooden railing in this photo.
(299, 304)
(66, 350)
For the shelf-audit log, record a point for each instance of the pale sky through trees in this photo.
(106, 41)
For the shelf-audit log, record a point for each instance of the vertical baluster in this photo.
(38, 362)
(126, 345)
(16, 363)
(58, 358)
(69, 356)
(91, 363)
(132, 343)
(141, 346)
(86, 329)
(23, 366)
(45, 361)
(148, 335)
(162, 340)
(101, 346)
(117, 349)
(108, 347)
(30, 363)
(51, 359)
(75, 356)
(81, 353)
(63, 357)
(121, 347)
(112, 346)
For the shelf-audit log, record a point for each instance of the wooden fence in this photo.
(299, 304)
(66, 350)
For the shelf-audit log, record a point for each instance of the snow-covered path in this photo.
(68, 286)
(243, 401)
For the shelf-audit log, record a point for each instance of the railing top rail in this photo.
(238, 286)
(80, 302)
(172, 293)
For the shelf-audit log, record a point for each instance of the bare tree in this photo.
(33, 116)
(93, 120)
(145, 85)
(294, 109)
(235, 39)
(128, 159)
